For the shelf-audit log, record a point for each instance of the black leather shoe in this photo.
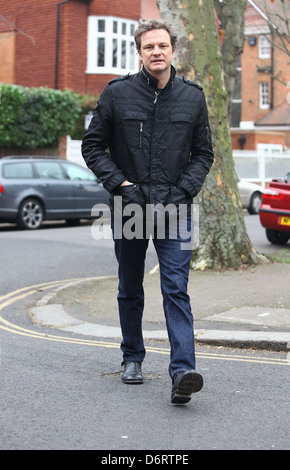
(132, 373)
(184, 384)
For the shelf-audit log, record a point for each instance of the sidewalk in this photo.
(245, 308)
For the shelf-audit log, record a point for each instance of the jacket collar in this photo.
(152, 81)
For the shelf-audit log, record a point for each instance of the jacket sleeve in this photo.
(202, 155)
(96, 143)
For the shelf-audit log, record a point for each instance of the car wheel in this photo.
(276, 237)
(255, 203)
(30, 214)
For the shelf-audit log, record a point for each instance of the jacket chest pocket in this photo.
(133, 127)
(181, 120)
(178, 133)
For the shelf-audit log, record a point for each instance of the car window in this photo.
(49, 170)
(18, 170)
(79, 173)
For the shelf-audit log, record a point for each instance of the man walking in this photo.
(156, 128)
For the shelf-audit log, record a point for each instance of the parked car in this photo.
(251, 195)
(275, 211)
(34, 189)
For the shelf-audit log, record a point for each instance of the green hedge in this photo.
(88, 104)
(36, 117)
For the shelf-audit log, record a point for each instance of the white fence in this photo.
(258, 167)
(261, 167)
(73, 151)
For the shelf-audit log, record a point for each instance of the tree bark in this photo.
(224, 241)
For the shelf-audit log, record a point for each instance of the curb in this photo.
(275, 341)
(55, 316)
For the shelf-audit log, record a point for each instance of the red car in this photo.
(275, 211)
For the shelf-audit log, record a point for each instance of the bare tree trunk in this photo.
(231, 15)
(224, 241)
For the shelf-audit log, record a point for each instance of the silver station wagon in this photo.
(34, 189)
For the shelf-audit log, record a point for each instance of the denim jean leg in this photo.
(174, 265)
(131, 258)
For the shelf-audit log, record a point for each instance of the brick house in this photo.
(75, 44)
(81, 44)
(261, 112)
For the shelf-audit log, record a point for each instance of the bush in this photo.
(36, 117)
(88, 104)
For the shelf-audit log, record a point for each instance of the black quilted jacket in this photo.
(159, 140)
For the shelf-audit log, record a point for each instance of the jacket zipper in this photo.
(156, 96)
(208, 134)
(141, 134)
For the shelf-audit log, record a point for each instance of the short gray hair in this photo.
(148, 25)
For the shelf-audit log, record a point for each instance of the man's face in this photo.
(156, 52)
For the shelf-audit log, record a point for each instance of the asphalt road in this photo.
(61, 391)
(55, 252)
(58, 252)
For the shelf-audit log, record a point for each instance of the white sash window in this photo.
(264, 95)
(111, 46)
(264, 47)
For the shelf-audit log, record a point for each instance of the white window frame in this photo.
(124, 63)
(264, 95)
(264, 48)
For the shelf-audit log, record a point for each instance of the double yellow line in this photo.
(20, 294)
(24, 292)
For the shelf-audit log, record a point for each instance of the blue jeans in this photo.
(174, 263)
